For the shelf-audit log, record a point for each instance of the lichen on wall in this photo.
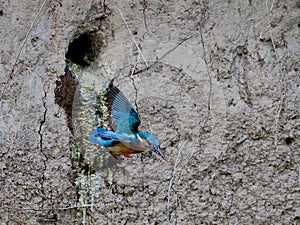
(90, 110)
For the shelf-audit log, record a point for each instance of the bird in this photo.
(126, 139)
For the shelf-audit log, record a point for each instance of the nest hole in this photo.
(81, 50)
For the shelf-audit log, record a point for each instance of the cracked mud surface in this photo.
(222, 94)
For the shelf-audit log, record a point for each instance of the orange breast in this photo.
(123, 150)
(138, 147)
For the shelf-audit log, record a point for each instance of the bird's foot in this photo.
(127, 155)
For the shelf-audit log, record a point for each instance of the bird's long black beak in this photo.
(159, 152)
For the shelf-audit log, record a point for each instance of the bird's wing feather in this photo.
(100, 135)
(124, 115)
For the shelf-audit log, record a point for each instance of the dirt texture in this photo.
(217, 81)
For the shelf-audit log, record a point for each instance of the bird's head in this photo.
(151, 142)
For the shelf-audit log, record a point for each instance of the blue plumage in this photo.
(100, 136)
(150, 138)
(126, 139)
(124, 115)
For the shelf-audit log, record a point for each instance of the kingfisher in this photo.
(126, 139)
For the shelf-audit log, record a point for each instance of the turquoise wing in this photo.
(124, 114)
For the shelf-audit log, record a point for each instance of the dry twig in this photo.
(21, 49)
(131, 35)
(206, 64)
(173, 177)
(269, 23)
(163, 56)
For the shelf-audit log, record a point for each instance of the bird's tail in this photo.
(103, 134)
(103, 137)
(100, 134)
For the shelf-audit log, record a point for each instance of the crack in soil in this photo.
(42, 122)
